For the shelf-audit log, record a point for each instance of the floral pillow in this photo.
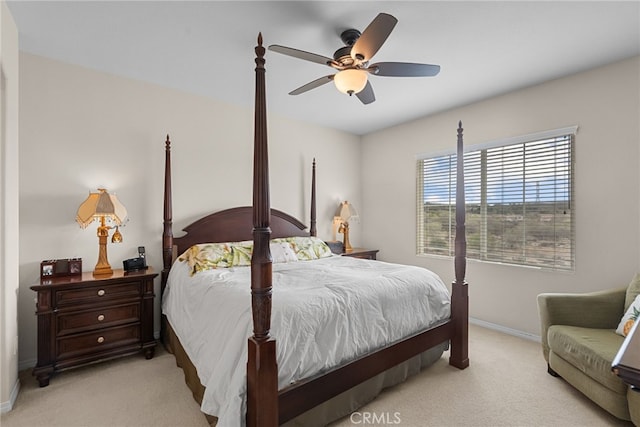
(207, 256)
(307, 248)
(629, 318)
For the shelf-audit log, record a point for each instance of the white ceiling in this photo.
(485, 48)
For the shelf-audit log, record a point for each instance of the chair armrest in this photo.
(598, 310)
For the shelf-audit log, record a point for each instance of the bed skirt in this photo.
(331, 410)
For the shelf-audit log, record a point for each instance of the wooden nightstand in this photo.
(84, 319)
(362, 253)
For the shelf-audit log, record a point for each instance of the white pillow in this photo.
(629, 318)
(282, 252)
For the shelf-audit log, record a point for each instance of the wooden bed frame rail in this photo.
(266, 405)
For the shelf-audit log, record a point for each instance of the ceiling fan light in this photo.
(350, 81)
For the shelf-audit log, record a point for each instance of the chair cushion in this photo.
(590, 350)
(633, 290)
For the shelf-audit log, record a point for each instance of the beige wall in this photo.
(604, 103)
(9, 384)
(81, 129)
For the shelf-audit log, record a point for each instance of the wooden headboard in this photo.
(235, 225)
(230, 225)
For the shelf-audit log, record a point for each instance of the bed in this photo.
(267, 267)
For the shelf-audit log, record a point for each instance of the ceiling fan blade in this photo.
(366, 95)
(301, 54)
(403, 69)
(312, 85)
(373, 37)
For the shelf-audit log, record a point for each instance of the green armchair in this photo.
(579, 343)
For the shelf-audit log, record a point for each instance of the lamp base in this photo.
(344, 229)
(103, 268)
(103, 271)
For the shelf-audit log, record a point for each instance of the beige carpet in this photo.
(506, 385)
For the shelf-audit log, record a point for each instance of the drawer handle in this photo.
(101, 292)
(100, 317)
(100, 340)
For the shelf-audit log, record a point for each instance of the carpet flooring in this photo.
(505, 385)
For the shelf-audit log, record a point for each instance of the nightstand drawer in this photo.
(97, 341)
(97, 293)
(99, 318)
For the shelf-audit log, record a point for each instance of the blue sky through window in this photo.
(539, 174)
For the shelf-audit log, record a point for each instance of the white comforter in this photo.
(325, 312)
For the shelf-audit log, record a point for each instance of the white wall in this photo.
(604, 103)
(81, 129)
(9, 245)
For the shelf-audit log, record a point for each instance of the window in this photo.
(519, 207)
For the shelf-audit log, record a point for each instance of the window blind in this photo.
(519, 206)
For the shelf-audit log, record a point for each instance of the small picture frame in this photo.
(52, 268)
(47, 269)
(75, 266)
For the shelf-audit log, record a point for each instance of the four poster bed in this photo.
(323, 366)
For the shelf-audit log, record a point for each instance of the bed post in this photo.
(312, 229)
(167, 235)
(262, 370)
(459, 355)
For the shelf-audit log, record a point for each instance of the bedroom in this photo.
(75, 143)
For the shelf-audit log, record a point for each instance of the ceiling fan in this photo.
(352, 61)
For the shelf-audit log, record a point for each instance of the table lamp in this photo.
(102, 206)
(346, 212)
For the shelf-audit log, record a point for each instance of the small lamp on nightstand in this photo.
(345, 213)
(102, 206)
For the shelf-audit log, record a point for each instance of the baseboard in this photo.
(505, 330)
(26, 364)
(7, 406)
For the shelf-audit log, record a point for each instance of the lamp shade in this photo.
(101, 205)
(350, 81)
(347, 212)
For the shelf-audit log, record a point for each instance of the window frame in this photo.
(564, 262)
